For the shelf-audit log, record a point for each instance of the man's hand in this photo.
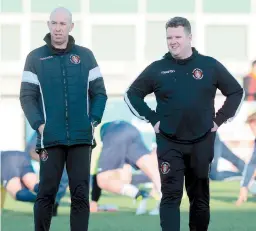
(243, 195)
(93, 207)
(156, 127)
(215, 127)
(41, 129)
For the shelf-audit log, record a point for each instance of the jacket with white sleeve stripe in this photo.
(64, 90)
(185, 91)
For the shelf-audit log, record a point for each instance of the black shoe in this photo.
(142, 198)
(142, 194)
(55, 210)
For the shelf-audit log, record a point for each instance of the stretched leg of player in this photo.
(111, 165)
(120, 176)
(149, 165)
(252, 186)
(28, 176)
(114, 180)
(30, 180)
(17, 191)
(118, 181)
(95, 195)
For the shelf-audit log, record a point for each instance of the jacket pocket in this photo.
(169, 122)
(200, 120)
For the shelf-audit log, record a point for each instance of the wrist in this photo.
(94, 123)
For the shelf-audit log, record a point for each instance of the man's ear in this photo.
(48, 24)
(71, 27)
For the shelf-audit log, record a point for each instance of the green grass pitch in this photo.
(225, 216)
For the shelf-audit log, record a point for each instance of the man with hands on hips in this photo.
(184, 83)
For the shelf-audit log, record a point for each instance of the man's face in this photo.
(178, 41)
(60, 25)
(252, 125)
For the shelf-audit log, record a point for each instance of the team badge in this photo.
(75, 59)
(197, 73)
(44, 155)
(165, 167)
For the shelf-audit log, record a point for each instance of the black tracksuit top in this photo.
(185, 91)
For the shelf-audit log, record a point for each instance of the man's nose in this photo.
(57, 27)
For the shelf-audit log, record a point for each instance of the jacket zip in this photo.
(66, 99)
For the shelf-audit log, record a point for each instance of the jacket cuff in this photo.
(153, 119)
(220, 119)
(95, 121)
(37, 124)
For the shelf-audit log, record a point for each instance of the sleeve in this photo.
(249, 170)
(142, 86)
(97, 92)
(234, 93)
(30, 94)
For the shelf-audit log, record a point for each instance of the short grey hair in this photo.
(63, 9)
(179, 21)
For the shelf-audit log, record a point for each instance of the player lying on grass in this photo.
(122, 149)
(18, 176)
(248, 183)
(136, 179)
(222, 151)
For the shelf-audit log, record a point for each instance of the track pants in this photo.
(52, 161)
(191, 161)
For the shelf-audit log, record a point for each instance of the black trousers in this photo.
(192, 162)
(52, 161)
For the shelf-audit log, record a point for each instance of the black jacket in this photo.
(185, 92)
(65, 90)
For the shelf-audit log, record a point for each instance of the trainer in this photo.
(63, 97)
(184, 83)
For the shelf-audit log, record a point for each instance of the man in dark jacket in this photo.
(63, 97)
(184, 83)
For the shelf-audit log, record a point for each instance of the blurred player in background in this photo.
(248, 184)
(18, 176)
(122, 150)
(221, 150)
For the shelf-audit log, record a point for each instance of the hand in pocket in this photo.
(156, 127)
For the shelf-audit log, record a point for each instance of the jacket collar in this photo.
(56, 51)
(169, 56)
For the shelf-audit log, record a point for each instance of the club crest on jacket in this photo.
(75, 59)
(44, 155)
(197, 73)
